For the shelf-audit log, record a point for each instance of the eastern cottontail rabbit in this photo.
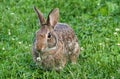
(55, 43)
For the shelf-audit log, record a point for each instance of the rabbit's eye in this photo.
(49, 35)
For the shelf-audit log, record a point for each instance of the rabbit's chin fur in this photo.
(44, 51)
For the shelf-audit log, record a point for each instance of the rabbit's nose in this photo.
(44, 47)
(40, 48)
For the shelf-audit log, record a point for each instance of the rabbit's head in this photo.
(45, 36)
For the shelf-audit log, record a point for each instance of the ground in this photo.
(95, 22)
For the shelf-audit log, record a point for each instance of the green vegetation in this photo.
(95, 22)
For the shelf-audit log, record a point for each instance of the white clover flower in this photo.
(29, 45)
(81, 48)
(98, 4)
(3, 48)
(118, 44)
(26, 47)
(38, 59)
(112, 77)
(117, 29)
(100, 44)
(20, 42)
(9, 33)
(115, 33)
(12, 13)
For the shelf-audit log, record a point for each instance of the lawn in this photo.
(95, 22)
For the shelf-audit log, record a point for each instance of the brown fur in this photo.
(55, 43)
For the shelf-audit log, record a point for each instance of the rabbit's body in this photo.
(60, 46)
(70, 41)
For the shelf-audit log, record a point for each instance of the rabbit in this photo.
(55, 43)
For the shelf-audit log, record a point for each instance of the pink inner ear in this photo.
(53, 22)
(53, 17)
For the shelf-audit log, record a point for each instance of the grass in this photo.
(95, 22)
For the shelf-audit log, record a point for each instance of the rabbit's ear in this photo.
(40, 16)
(53, 17)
